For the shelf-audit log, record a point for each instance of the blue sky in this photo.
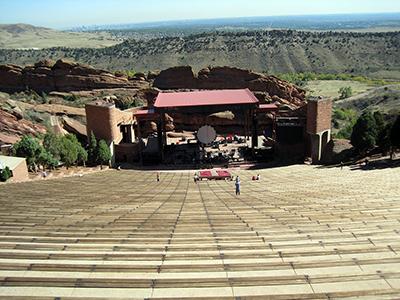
(69, 13)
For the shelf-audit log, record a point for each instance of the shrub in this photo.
(348, 118)
(5, 174)
(345, 92)
(70, 98)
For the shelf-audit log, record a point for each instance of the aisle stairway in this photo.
(299, 233)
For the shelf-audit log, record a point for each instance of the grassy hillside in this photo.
(330, 88)
(23, 36)
(271, 51)
(385, 98)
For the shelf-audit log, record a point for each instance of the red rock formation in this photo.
(62, 76)
(267, 88)
(12, 129)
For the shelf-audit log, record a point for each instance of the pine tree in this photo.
(104, 153)
(395, 133)
(52, 144)
(92, 149)
(364, 133)
(69, 152)
(379, 121)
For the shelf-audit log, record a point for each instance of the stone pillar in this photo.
(319, 117)
(254, 134)
(139, 134)
(316, 147)
(160, 138)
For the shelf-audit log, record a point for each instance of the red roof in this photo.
(143, 112)
(201, 98)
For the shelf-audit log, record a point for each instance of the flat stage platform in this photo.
(214, 175)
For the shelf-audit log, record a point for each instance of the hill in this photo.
(385, 99)
(24, 36)
(276, 51)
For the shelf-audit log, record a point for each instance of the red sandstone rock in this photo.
(264, 86)
(12, 129)
(63, 76)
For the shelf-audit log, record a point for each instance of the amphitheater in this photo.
(301, 232)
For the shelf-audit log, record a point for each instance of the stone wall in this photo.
(20, 172)
(104, 119)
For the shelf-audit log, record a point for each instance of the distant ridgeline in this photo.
(276, 51)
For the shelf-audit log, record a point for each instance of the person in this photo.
(196, 178)
(237, 185)
(341, 165)
(258, 177)
(158, 176)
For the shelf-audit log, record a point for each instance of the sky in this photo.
(61, 14)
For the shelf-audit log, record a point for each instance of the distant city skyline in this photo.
(73, 13)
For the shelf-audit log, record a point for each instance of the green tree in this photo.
(92, 149)
(383, 140)
(5, 174)
(68, 152)
(345, 92)
(395, 133)
(104, 152)
(380, 121)
(47, 159)
(52, 144)
(82, 155)
(30, 148)
(364, 133)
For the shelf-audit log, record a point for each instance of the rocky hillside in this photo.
(63, 75)
(13, 126)
(274, 51)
